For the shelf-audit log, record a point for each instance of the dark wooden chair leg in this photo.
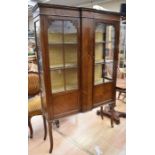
(30, 127)
(50, 136)
(45, 128)
(111, 106)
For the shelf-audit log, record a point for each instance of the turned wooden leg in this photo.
(102, 112)
(45, 127)
(119, 94)
(30, 127)
(50, 136)
(111, 106)
(57, 123)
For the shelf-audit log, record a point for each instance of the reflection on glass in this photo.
(98, 74)
(71, 79)
(70, 32)
(55, 32)
(109, 52)
(110, 33)
(70, 55)
(56, 56)
(108, 70)
(102, 75)
(57, 81)
(100, 33)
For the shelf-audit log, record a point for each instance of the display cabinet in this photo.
(77, 57)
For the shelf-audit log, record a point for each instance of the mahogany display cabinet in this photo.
(77, 51)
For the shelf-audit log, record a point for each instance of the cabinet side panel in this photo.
(87, 63)
(45, 61)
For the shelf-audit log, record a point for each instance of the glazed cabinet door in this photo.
(64, 68)
(104, 61)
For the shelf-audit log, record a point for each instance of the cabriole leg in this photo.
(50, 136)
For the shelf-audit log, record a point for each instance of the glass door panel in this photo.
(99, 55)
(70, 52)
(63, 57)
(70, 32)
(98, 74)
(55, 32)
(104, 53)
(108, 71)
(71, 79)
(109, 52)
(57, 80)
(100, 33)
(110, 33)
(56, 56)
(70, 55)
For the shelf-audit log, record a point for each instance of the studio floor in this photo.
(81, 134)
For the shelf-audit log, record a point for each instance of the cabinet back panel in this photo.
(102, 93)
(65, 103)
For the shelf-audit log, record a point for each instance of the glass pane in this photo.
(70, 55)
(108, 71)
(39, 55)
(104, 53)
(55, 32)
(98, 74)
(109, 52)
(99, 50)
(71, 79)
(110, 33)
(100, 33)
(39, 58)
(56, 56)
(110, 42)
(57, 80)
(70, 32)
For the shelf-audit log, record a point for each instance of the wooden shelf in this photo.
(58, 89)
(61, 43)
(97, 82)
(103, 62)
(31, 37)
(61, 66)
(70, 65)
(109, 61)
(99, 61)
(105, 42)
(71, 87)
(99, 42)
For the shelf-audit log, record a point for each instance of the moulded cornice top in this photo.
(38, 5)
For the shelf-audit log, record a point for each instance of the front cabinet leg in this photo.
(50, 136)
